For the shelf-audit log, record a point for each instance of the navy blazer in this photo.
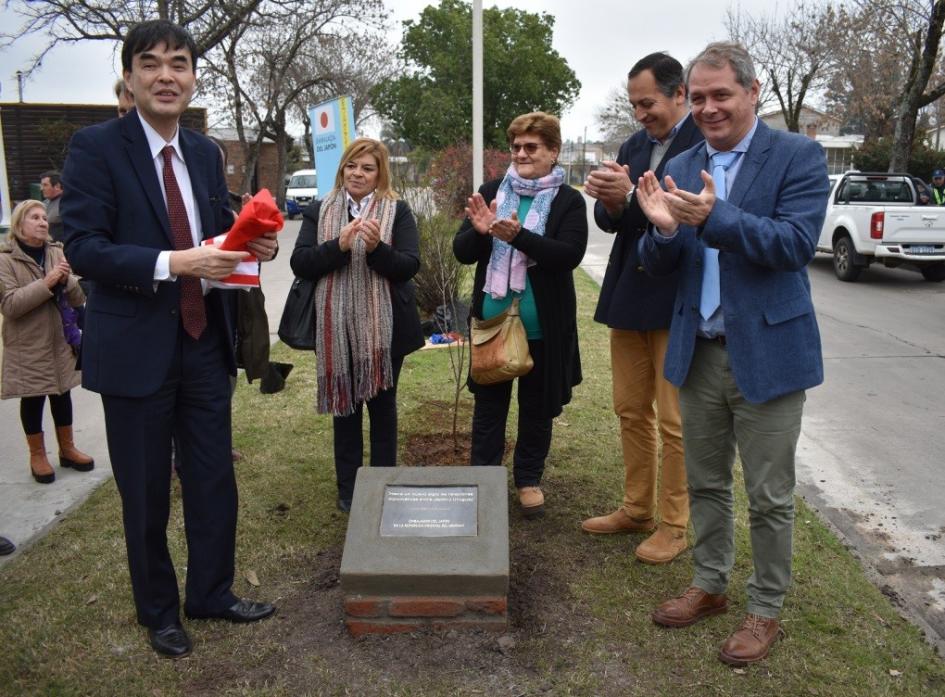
(766, 233)
(629, 297)
(116, 223)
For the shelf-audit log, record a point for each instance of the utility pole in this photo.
(477, 94)
(19, 84)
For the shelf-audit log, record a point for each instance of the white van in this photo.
(301, 191)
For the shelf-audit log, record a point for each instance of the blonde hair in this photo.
(19, 213)
(545, 126)
(368, 146)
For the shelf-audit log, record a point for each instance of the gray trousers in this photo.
(716, 418)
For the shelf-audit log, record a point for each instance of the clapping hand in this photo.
(688, 208)
(371, 234)
(480, 214)
(610, 185)
(348, 234)
(58, 274)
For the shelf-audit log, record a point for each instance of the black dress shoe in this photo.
(243, 610)
(344, 505)
(6, 547)
(170, 641)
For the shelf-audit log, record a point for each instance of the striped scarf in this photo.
(508, 266)
(353, 316)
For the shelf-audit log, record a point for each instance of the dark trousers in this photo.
(193, 408)
(31, 411)
(533, 439)
(349, 438)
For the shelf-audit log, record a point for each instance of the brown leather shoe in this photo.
(689, 608)
(532, 501)
(662, 546)
(751, 642)
(618, 521)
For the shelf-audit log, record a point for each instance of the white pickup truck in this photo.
(874, 218)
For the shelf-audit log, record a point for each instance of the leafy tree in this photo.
(876, 155)
(451, 175)
(431, 105)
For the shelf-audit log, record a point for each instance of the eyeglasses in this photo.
(529, 148)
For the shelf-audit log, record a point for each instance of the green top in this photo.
(526, 306)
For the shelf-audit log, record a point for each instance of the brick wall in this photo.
(396, 614)
(36, 136)
(267, 168)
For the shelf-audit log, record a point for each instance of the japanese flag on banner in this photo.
(245, 275)
(325, 119)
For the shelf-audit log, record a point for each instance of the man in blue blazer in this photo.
(739, 220)
(638, 307)
(141, 193)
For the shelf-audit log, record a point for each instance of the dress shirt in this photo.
(156, 143)
(357, 208)
(661, 146)
(715, 325)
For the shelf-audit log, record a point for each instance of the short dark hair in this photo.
(55, 179)
(146, 35)
(667, 71)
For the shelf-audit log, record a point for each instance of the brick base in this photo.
(393, 615)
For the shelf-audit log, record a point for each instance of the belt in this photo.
(718, 339)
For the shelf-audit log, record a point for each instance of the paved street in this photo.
(869, 458)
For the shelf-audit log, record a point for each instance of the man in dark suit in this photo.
(141, 193)
(744, 343)
(637, 307)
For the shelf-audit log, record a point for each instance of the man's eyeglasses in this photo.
(529, 148)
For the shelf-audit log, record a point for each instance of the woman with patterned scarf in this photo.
(41, 339)
(360, 245)
(527, 233)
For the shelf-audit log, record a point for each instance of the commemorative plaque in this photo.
(429, 511)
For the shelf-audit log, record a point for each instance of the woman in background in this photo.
(360, 244)
(40, 336)
(526, 233)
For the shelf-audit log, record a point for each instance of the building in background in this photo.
(825, 129)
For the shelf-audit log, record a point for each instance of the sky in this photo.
(600, 39)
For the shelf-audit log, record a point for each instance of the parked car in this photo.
(874, 217)
(301, 191)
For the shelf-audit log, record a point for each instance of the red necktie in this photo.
(193, 314)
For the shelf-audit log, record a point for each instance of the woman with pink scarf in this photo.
(527, 233)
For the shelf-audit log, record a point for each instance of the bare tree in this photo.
(615, 118)
(349, 72)
(914, 27)
(794, 53)
(65, 22)
(253, 71)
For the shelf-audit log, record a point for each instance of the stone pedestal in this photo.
(427, 547)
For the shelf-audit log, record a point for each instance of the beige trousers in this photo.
(648, 407)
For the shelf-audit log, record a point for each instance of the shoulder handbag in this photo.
(297, 325)
(500, 348)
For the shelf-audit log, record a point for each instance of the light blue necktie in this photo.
(711, 295)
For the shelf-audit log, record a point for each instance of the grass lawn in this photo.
(578, 606)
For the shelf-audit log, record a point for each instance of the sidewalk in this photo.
(27, 509)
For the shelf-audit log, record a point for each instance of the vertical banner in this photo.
(332, 131)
